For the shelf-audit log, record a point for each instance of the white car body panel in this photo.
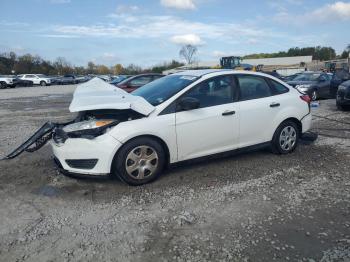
(188, 134)
(102, 148)
(206, 131)
(97, 94)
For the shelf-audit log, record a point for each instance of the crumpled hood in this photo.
(97, 94)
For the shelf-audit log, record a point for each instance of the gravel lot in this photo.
(249, 207)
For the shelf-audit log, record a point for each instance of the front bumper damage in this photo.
(81, 152)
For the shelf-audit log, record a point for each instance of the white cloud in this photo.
(12, 24)
(144, 26)
(59, 36)
(189, 39)
(179, 4)
(338, 10)
(329, 13)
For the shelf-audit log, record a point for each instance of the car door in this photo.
(324, 85)
(213, 127)
(32, 78)
(258, 106)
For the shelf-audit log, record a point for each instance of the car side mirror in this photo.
(187, 103)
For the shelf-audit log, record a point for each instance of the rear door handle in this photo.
(228, 113)
(274, 104)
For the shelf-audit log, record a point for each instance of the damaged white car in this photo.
(179, 117)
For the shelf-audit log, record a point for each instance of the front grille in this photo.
(82, 163)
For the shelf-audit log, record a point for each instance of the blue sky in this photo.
(150, 32)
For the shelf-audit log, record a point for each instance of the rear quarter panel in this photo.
(292, 106)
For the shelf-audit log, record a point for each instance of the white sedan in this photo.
(183, 116)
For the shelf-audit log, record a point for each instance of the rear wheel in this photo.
(286, 138)
(42, 83)
(139, 161)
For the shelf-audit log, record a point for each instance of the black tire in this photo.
(3, 85)
(143, 162)
(42, 83)
(277, 145)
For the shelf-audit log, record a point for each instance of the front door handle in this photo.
(228, 113)
(274, 104)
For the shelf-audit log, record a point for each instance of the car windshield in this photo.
(307, 77)
(162, 89)
(41, 75)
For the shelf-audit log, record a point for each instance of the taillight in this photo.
(306, 98)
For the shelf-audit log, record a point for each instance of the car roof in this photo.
(217, 72)
(201, 72)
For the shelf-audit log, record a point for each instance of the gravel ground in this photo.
(249, 207)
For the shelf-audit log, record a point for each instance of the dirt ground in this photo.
(249, 207)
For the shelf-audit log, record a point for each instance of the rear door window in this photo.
(214, 91)
(253, 87)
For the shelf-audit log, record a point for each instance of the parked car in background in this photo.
(117, 79)
(82, 79)
(132, 83)
(343, 95)
(338, 77)
(290, 77)
(273, 73)
(21, 82)
(315, 84)
(106, 78)
(66, 80)
(37, 79)
(6, 81)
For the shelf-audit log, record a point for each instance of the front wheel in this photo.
(43, 83)
(139, 161)
(286, 138)
(3, 85)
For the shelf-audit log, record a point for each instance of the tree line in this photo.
(318, 53)
(11, 63)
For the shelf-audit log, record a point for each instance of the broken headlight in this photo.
(86, 125)
(88, 129)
